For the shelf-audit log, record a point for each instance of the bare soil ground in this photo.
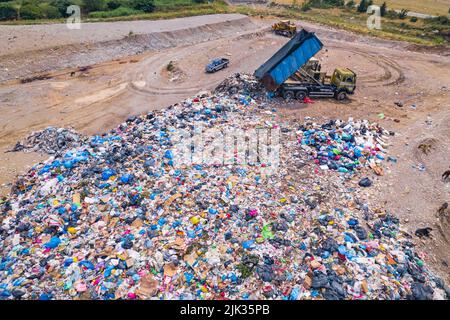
(43, 48)
(22, 38)
(97, 98)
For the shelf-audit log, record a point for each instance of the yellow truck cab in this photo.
(344, 79)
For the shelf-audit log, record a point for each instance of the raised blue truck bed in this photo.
(290, 58)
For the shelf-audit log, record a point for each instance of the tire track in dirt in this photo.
(392, 72)
(143, 84)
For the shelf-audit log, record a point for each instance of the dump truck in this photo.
(293, 71)
(284, 28)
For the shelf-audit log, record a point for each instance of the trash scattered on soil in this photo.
(243, 83)
(423, 232)
(420, 166)
(425, 148)
(175, 74)
(51, 140)
(344, 146)
(114, 218)
(445, 176)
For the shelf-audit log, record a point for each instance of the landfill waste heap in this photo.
(51, 140)
(113, 218)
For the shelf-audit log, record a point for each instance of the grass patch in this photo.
(432, 7)
(119, 12)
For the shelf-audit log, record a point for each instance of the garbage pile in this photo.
(344, 145)
(51, 140)
(243, 83)
(115, 218)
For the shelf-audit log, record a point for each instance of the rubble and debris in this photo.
(115, 218)
(425, 148)
(343, 146)
(443, 224)
(51, 140)
(423, 232)
(445, 176)
(243, 83)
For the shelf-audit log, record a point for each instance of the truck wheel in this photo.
(300, 95)
(288, 95)
(341, 96)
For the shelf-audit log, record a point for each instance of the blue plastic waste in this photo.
(53, 243)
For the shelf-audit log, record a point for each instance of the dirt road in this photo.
(97, 98)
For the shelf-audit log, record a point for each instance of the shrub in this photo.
(170, 66)
(31, 12)
(94, 5)
(364, 5)
(403, 14)
(324, 3)
(391, 14)
(442, 20)
(440, 23)
(413, 19)
(113, 4)
(383, 9)
(49, 11)
(335, 3)
(62, 5)
(305, 7)
(144, 5)
(350, 4)
(121, 11)
(7, 11)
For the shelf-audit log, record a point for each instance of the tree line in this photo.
(55, 9)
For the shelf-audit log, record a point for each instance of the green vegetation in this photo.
(21, 10)
(326, 4)
(432, 7)
(170, 66)
(118, 12)
(383, 9)
(348, 15)
(403, 14)
(7, 11)
(423, 31)
(350, 4)
(143, 5)
(364, 5)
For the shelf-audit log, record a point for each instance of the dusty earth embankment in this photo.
(42, 48)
